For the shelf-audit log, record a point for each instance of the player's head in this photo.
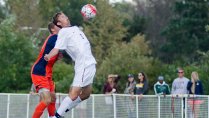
(61, 20)
(53, 29)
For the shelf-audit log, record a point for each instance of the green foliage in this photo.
(2, 13)
(169, 71)
(103, 31)
(26, 12)
(70, 7)
(132, 20)
(126, 58)
(63, 75)
(16, 56)
(186, 31)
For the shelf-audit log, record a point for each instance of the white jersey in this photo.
(76, 44)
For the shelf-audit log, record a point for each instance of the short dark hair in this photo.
(55, 19)
(50, 26)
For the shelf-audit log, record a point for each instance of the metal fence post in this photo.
(28, 100)
(137, 106)
(182, 107)
(185, 112)
(72, 113)
(208, 106)
(8, 102)
(114, 106)
(158, 106)
(93, 106)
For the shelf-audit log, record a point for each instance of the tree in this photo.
(63, 76)
(70, 7)
(3, 12)
(132, 19)
(26, 12)
(157, 14)
(186, 33)
(105, 30)
(16, 55)
(125, 58)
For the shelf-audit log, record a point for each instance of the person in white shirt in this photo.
(179, 85)
(75, 43)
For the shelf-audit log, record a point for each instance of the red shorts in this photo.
(43, 82)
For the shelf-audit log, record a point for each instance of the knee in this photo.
(53, 97)
(73, 96)
(46, 98)
(84, 96)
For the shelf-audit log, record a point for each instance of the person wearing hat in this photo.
(130, 85)
(161, 88)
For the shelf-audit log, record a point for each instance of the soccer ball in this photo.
(88, 11)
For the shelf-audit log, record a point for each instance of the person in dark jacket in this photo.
(194, 86)
(141, 86)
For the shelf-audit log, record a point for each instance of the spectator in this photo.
(179, 85)
(110, 86)
(130, 90)
(194, 86)
(161, 87)
(130, 85)
(141, 89)
(141, 86)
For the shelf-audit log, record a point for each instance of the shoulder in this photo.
(189, 82)
(63, 30)
(53, 37)
(186, 79)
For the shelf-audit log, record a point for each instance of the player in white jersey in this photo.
(74, 42)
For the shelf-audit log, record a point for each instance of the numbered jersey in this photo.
(76, 44)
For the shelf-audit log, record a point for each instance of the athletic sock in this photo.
(51, 109)
(74, 104)
(57, 115)
(39, 110)
(64, 106)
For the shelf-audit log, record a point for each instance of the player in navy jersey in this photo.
(41, 74)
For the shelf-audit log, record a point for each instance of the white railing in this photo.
(112, 106)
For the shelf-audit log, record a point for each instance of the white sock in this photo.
(64, 105)
(74, 103)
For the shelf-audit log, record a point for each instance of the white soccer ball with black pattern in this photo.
(88, 11)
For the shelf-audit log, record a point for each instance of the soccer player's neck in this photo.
(68, 25)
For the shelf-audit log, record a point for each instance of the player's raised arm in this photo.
(52, 53)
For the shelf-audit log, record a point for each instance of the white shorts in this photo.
(84, 77)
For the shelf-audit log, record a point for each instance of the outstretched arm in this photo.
(52, 53)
